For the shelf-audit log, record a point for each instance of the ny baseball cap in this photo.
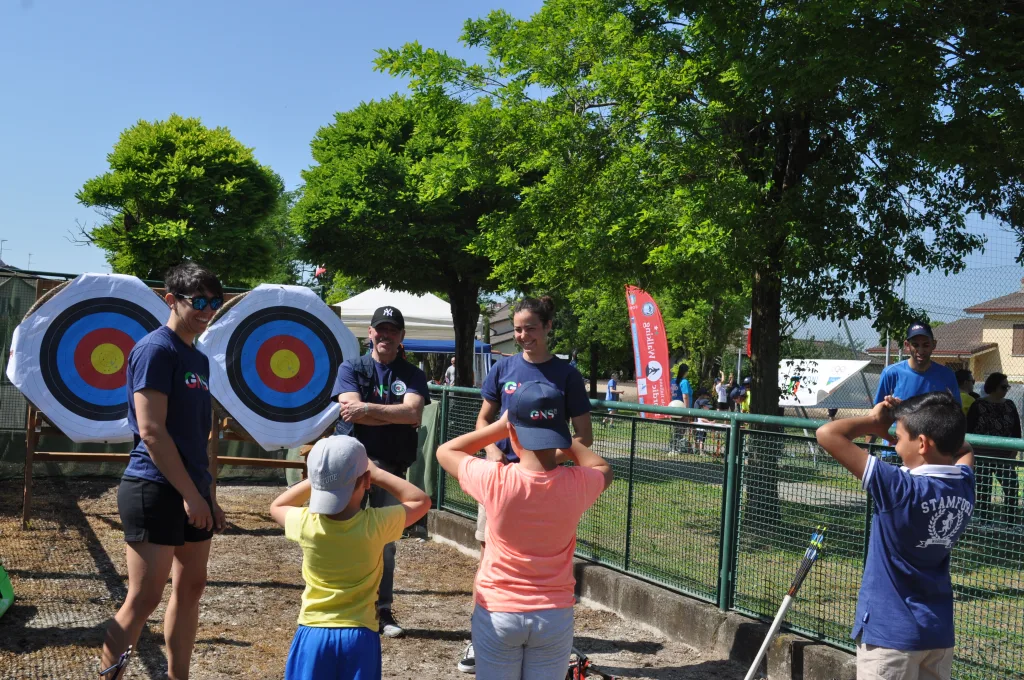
(388, 315)
(919, 328)
(334, 465)
(538, 412)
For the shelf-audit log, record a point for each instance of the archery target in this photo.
(274, 359)
(70, 356)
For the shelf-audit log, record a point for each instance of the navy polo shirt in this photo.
(389, 442)
(161, 361)
(511, 372)
(906, 595)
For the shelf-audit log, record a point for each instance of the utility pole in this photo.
(2, 242)
(29, 262)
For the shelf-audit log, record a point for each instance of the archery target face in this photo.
(274, 359)
(70, 357)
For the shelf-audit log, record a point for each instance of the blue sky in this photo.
(73, 75)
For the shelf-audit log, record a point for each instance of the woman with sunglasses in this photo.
(997, 416)
(167, 499)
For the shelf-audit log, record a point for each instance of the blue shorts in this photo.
(334, 654)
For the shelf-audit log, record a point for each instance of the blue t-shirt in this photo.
(680, 387)
(903, 382)
(608, 394)
(511, 372)
(162, 361)
(392, 442)
(906, 595)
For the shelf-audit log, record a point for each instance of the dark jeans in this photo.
(1006, 473)
(379, 498)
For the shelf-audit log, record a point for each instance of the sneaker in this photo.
(388, 626)
(468, 662)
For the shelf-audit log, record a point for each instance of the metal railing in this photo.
(723, 512)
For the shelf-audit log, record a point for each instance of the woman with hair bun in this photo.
(532, 320)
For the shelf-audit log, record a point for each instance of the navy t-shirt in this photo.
(384, 442)
(903, 382)
(906, 595)
(511, 372)
(161, 361)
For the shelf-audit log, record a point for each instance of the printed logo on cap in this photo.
(388, 311)
(546, 414)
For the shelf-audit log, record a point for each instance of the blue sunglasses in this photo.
(199, 303)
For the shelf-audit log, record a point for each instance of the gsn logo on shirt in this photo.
(195, 381)
(511, 386)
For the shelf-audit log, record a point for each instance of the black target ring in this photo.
(60, 342)
(244, 345)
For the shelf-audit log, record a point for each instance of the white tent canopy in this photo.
(427, 317)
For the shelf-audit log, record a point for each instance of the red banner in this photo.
(650, 350)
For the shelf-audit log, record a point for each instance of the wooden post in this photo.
(31, 441)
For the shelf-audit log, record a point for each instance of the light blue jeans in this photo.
(522, 646)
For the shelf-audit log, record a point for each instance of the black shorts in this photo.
(155, 513)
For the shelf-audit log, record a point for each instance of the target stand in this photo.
(69, 358)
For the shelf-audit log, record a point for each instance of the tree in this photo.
(178, 190)
(824, 150)
(398, 195)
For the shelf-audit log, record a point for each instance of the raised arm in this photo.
(451, 454)
(584, 457)
(837, 437)
(416, 502)
(489, 414)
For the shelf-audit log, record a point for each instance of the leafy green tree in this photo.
(343, 286)
(178, 190)
(398, 195)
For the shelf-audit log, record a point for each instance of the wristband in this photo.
(366, 408)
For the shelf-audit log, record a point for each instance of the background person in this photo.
(681, 388)
(167, 499)
(965, 379)
(722, 387)
(382, 398)
(917, 374)
(612, 393)
(531, 325)
(524, 588)
(997, 416)
(449, 373)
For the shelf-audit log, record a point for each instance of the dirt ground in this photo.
(69, 578)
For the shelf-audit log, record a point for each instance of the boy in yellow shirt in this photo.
(342, 558)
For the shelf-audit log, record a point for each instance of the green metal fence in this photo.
(723, 513)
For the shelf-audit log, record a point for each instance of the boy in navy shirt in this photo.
(904, 620)
(918, 374)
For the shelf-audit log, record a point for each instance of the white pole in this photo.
(772, 631)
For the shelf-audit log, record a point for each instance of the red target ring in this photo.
(285, 364)
(101, 358)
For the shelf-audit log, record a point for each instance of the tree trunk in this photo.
(763, 502)
(593, 369)
(462, 296)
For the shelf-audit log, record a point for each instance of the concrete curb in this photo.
(676, 616)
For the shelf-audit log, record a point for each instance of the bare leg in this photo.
(148, 566)
(188, 580)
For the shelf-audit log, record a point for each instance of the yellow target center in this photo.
(107, 358)
(284, 363)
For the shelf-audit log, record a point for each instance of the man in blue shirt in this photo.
(904, 619)
(382, 398)
(167, 499)
(918, 374)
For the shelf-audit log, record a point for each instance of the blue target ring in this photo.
(303, 332)
(66, 334)
(251, 347)
(69, 342)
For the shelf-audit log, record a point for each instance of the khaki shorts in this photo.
(882, 663)
(481, 524)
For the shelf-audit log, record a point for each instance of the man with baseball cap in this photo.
(342, 557)
(918, 374)
(382, 398)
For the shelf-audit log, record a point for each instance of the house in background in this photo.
(502, 338)
(986, 344)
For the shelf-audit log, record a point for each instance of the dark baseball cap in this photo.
(702, 403)
(919, 328)
(389, 315)
(537, 410)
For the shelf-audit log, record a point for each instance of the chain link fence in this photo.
(729, 525)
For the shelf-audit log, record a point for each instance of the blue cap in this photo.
(919, 328)
(537, 410)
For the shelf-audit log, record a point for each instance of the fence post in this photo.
(731, 487)
(442, 438)
(629, 493)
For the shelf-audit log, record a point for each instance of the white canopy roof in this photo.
(427, 317)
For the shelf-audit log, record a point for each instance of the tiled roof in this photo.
(1012, 303)
(957, 339)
